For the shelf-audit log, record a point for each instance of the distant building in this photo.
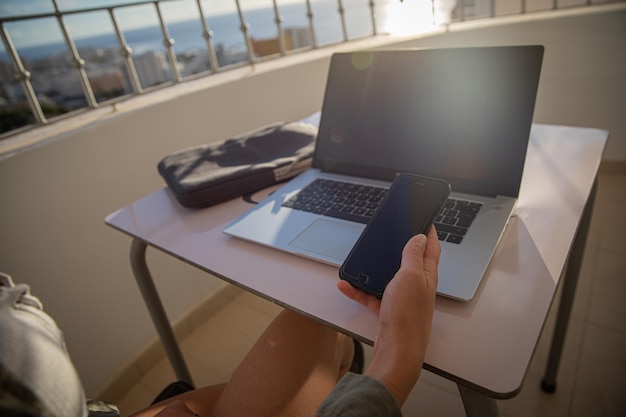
(107, 83)
(152, 68)
(295, 38)
(299, 37)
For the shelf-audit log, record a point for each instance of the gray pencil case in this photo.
(209, 174)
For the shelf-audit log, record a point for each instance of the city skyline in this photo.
(400, 17)
(58, 87)
(37, 32)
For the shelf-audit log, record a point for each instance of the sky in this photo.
(46, 30)
(21, 7)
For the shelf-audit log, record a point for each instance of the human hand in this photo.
(405, 312)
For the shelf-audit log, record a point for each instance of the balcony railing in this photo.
(68, 74)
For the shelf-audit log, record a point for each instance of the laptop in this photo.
(459, 114)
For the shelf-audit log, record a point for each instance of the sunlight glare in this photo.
(408, 17)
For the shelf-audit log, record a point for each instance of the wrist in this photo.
(396, 364)
(399, 380)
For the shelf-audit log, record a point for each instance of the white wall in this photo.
(583, 78)
(53, 198)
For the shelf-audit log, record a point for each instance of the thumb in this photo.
(413, 253)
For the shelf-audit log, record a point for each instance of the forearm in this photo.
(397, 365)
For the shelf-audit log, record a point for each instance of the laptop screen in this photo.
(459, 114)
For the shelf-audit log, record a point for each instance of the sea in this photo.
(227, 32)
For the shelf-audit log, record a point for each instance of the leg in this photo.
(157, 312)
(570, 280)
(477, 404)
(290, 370)
(200, 401)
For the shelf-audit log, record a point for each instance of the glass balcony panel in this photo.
(295, 24)
(185, 27)
(228, 39)
(570, 3)
(505, 7)
(471, 9)
(97, 44)
(327, 21)
(24, 8)
(263, 29)
(69, 5)
(142, 31)
(538, 5)
(14, 109)
(410, 17)
(358, 15)
(42, 49)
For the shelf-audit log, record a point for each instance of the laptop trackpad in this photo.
(328, 238)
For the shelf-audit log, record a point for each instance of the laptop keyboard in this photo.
(455, 218)
(342, 200)
(357, 202)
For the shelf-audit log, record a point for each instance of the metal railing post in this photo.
(373, 14)
(23, 76)
(126, 52)
(281, 32)
(432, 11)
(207, 34)
(342, 15)
(168, 42)
(245, 29)
(309, 15)
(77, 62)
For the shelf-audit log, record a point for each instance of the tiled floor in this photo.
(592, 374)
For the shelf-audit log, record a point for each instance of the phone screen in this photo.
(409, 208)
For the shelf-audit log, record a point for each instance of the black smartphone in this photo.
(409, 208)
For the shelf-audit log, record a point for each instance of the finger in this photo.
(369, 301)
(433, 248)
(432, 254)
(413, 253)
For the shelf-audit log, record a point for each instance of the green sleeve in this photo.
(359, 396)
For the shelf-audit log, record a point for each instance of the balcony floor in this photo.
(591, 376)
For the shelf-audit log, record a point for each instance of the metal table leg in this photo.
(570, 280)
(477, 404)
(157, 312)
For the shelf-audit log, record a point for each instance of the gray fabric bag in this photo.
(209, 174)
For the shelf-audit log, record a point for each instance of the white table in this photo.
(485, 346)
